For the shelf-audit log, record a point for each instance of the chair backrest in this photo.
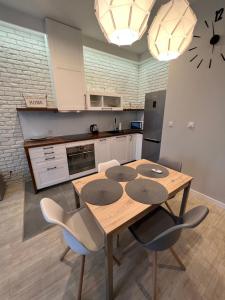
(190, 220)
(55, 214)
(170, 163)
(102, 167)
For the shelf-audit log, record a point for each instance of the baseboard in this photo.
(203, 196)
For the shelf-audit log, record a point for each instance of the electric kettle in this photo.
(94, 128)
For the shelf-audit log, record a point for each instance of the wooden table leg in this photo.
(109, 266)
(184, 200)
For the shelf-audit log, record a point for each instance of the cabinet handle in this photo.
(46, 148)
(49, 169)
(47, 153)
(50, 158)
(85, 101)
(106, 108)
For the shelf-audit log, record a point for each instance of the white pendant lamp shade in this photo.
(172, 30)
(123, 21)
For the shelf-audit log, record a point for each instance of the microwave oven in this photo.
(137, 125)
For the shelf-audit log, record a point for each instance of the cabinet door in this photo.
(119, 148)
(50, 173)
(66, 55)
(102, 151)
(139, 140)
(131, 144)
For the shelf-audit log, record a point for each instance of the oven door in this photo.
(80, 159)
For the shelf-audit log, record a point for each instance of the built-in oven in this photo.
(80, 158)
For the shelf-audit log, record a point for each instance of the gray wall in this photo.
(56, 124)
(199, 96)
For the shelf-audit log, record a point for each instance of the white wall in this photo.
(199, 95)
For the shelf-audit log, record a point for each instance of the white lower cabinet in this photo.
(119, 148)
(49, 173)
(138, 146)
(102, 150)
(131, 145)
(50, 164)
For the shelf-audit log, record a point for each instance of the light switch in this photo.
(191, 125)
(171, 124)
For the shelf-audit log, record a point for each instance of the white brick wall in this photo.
(24, 70)
(153, 76)
(111, 73)
(128, 78)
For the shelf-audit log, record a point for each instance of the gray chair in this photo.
(160, 230)
(174, 165)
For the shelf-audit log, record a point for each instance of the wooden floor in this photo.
(31, 269)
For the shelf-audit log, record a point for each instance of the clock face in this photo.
(214, 35)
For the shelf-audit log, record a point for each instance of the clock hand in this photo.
(213, 28)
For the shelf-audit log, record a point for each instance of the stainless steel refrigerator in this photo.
(153, 124)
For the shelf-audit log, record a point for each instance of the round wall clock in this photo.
(213, 28)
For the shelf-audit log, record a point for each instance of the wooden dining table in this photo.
(115, 217)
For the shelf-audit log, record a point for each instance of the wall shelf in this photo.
(49, 109)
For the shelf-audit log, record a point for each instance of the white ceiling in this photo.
(77, 13)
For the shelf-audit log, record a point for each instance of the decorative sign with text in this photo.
(36, 101)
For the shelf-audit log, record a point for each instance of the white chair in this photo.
(80, 231)
(102, 167)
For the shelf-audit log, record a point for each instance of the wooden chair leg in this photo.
(116, 260)
(81, 277)
(64, 253)
(169, 208)
(154, 276)
(182, 266)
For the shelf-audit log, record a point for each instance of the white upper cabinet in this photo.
(104, 101)
(66, 55)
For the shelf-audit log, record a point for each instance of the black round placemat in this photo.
(121, 173)
(146, 170)
(101, 192)
(146, 191)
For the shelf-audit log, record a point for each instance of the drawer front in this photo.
(42, 154)
(49, 173)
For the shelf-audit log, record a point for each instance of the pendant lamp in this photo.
(123, 21)
(172, 29)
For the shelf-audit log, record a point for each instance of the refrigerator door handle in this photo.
(152, 140)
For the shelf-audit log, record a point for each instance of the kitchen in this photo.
(71, 102)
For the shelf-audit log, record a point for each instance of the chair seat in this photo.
(153, 224)
(84, 227)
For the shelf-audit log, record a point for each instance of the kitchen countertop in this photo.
(76, 138)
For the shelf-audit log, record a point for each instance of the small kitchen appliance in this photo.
(136, 125)
(94, 128)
